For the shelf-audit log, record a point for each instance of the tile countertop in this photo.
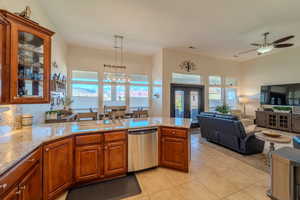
(16, 144)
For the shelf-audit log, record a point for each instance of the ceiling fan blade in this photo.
(283, 45)
(256, 44)
(283, 39)
(244, 52)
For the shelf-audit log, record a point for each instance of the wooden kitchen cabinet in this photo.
(58, 167)
(89, 161)
(174, 151)
(115, 159)
(31, 185)
(25, 56)
(100, 155)
(14, 194)
(25, 179)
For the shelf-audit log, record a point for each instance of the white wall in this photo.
(279, 68)
(85, 58)
(59, 49)
(205, 66)
(157, 81)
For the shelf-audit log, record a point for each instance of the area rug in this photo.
(109, 190)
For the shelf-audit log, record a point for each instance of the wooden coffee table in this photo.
(273, 140)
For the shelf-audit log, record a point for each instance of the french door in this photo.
(187, 101)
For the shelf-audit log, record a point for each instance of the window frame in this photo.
(101, 83)
(113, 91)
(199, 75)
(223, 87)
(140, 84)
(85, 83)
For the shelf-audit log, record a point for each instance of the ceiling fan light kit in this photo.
(266, 46)
(265, 49)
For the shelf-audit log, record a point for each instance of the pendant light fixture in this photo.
(116, 73)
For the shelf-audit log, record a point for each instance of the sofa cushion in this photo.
(250, 128)
(226, 116)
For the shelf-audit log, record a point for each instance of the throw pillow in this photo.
(250, 128)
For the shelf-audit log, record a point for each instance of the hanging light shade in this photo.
(116, 72)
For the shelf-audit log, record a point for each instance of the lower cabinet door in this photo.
(58, 167)
(115, 159)
(88, 162)
(31, 186)
(174, 153)
(14, 194)
(261, 119)
(296, 123)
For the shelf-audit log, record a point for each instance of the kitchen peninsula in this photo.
(59, 156)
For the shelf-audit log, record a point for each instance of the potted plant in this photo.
(224, 109)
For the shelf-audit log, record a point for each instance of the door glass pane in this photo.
(30, 65)
(179, 104)
(194, 104)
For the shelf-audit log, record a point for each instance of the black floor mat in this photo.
(108, 190)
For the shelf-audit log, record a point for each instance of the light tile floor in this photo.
(213, 176)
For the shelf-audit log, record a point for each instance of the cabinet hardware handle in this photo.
(31, 160)
(23, 187)
(3, 186)
(18, 192)
(47, 149)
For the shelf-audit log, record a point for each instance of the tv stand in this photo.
(277, 120)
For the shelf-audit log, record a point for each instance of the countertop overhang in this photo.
(17, 144)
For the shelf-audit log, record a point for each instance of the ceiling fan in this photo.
(266, 46)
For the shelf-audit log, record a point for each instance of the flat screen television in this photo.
(284, 95)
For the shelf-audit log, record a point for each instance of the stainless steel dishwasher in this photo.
(142, 149)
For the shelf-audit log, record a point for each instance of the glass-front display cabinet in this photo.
(25, 61)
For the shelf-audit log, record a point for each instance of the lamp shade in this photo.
(243, 99)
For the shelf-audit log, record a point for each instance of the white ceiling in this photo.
(219, 28)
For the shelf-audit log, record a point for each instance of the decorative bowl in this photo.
(271, 134)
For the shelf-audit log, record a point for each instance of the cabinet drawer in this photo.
(13, 175)
(89, 139)
(174, 132)
(115, 136)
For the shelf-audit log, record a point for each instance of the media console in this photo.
(277, 120)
